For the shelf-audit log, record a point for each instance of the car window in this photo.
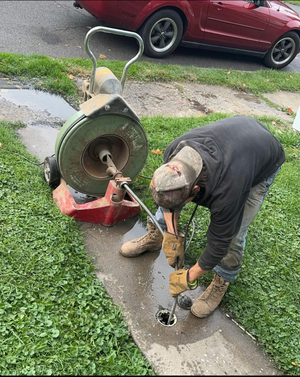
(260, 3)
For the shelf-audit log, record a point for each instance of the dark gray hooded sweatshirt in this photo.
(238, 153)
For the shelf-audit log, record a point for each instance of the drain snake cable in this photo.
(191, 220)
(194, 283)
(25, 158)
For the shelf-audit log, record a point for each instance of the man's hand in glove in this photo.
(179, 282)
(173, 247)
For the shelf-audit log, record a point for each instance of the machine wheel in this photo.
(162, 33)
(283, 52)
(51, 172)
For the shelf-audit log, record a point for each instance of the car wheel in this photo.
(283, 52)
(162, 33)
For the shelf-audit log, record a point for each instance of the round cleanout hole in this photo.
(162, 317)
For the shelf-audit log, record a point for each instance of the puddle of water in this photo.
(38, 100)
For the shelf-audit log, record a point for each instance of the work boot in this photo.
(151, 241)
(210, 298)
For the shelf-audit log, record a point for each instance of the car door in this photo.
(236, 23)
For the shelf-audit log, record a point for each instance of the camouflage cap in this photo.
(172, 183)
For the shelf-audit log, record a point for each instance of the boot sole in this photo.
(136, 255)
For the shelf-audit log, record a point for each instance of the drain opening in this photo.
(162, 317)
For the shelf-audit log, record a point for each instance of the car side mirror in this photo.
(253, 4)
(259, 3)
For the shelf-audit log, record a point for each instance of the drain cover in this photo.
(162, 317)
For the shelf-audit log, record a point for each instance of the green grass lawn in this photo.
(56, 317)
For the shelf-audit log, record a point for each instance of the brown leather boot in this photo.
(151, 241)
(210, 298)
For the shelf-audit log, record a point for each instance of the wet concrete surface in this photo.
(212, 346)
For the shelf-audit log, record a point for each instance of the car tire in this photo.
(162, 33)
(283, 51)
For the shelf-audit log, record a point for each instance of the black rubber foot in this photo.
(185, 302)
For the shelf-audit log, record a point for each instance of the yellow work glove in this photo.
(179, 282)
(173, 247)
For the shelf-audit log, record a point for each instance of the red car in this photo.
(266, 29)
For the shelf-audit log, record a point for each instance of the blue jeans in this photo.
(229, 267)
